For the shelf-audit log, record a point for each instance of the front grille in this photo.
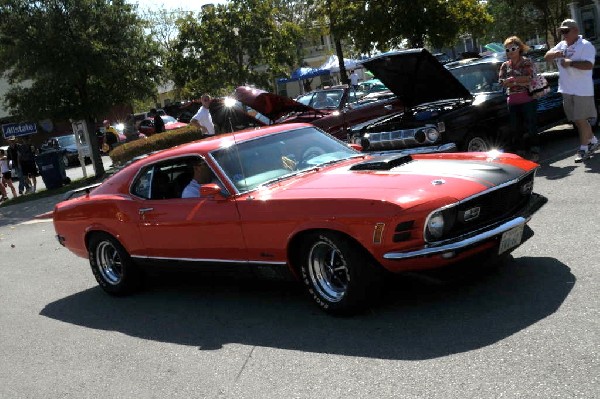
(494, 206)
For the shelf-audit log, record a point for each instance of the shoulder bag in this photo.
(538, 85)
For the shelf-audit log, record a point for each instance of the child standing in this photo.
(6, 175)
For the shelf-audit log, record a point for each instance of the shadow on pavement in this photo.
(414, 321)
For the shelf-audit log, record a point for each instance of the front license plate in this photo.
(511, 238)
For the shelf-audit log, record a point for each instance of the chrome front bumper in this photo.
(467, 241)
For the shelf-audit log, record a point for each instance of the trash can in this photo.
(51, 168)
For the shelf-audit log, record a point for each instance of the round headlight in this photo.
(435, 225)
(432, 134)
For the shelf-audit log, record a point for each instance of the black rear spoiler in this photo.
(87, 190)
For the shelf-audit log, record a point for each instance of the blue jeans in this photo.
(22, 183)
(523, 125)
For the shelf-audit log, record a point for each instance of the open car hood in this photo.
(271, 105)
(416, 77)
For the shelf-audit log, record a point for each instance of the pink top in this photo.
(517, 94)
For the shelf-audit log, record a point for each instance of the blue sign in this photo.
(12, 130)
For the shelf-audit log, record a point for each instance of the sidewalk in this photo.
(24, 211)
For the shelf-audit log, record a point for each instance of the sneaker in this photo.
(581, 156)
(593, 147)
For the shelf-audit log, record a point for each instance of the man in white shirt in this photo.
(575, 59)
(203, 174)
(203, 119)
(354, 80)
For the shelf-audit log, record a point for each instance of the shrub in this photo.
(127, 151)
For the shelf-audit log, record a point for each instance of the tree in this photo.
(417, 23)
(241, 42)
(526, 19)
(81, 56)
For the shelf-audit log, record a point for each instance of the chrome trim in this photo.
(398, 139)
(518, 221)
(251, 262)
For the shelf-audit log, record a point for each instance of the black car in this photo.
(462, 105)
(68, 148)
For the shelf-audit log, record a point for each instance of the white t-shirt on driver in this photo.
(205, 119)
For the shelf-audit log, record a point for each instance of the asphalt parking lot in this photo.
(527, 330)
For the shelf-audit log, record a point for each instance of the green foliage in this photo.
(80, 57)
(436, 22)
(226, 45)
(127, 151)
(526, 19)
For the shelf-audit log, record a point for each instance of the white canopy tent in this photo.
(333, 65)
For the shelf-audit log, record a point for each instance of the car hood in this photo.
(271, 105)
(416, 77)
(419, 180)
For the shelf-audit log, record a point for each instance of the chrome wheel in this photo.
(65, 161)
(477, 144)
(328, 271)
(109, 263)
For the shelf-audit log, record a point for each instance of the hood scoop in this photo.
(383, 162)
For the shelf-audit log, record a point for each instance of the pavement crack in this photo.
(244, 365)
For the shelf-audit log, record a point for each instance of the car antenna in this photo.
(229, 103)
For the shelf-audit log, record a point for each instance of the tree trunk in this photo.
(95, 149)
(340, 54)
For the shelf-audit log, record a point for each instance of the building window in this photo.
(588, 18)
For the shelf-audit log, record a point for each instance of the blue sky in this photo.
(187, 5)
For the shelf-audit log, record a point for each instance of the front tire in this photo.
(338, 274)
(112, 266)
(477, 143)
(65, 161)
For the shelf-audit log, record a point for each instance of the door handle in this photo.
(142, 212)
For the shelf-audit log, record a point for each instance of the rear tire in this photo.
(338, 274)
(112, 266)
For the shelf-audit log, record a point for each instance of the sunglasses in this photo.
(565, 31)
(511, 49)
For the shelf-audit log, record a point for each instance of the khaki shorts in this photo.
(579, 108)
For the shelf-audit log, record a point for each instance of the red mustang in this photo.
(294, 200)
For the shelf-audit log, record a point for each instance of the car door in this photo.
(187, 229)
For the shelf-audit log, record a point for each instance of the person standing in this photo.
(26, 155)
(159, 124)
(575, 57)
(6, 174)
(515, 74)
(203, 119)
(13, 157)
(354, 80)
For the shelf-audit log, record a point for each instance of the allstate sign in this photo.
(11, 130)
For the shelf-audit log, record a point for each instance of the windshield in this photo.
(253, 163)
(66, 141)
(168, 119)
(478, 78)
(322, 99)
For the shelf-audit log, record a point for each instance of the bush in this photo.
(127, 151)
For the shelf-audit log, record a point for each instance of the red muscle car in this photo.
(333, 109)
(146, 126)
(298, 202)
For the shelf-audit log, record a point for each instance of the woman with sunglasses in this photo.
(515, 75)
